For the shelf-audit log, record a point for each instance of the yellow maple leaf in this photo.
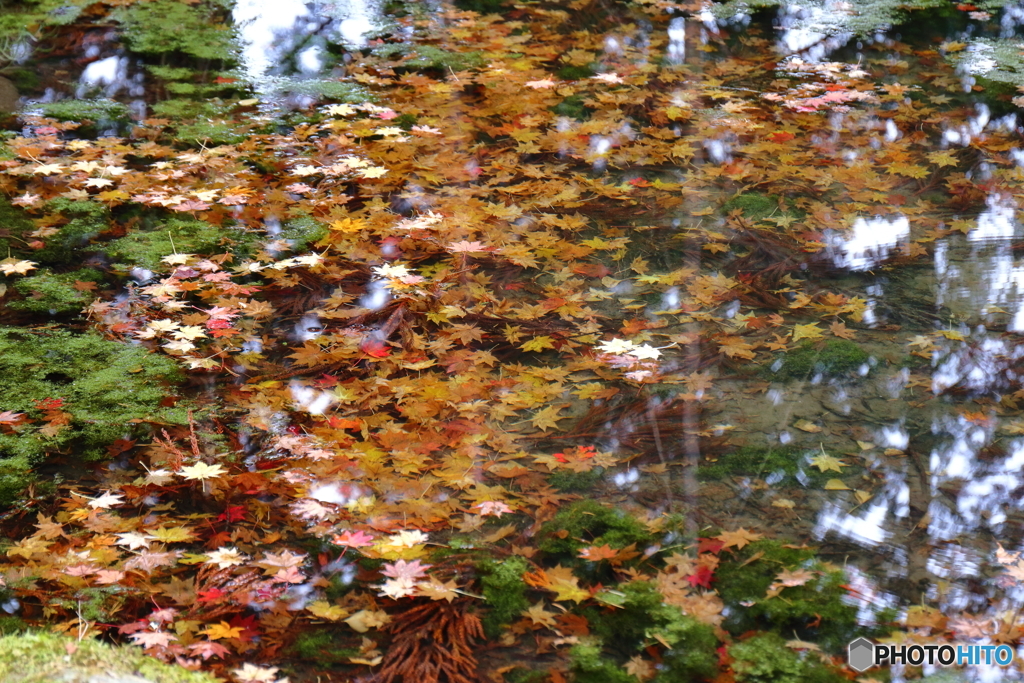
(172, 534)
(810, 331)
(348, 225)
(738, 538)
(223, 630)
(538, 344)
(825, 462)
(202, 471)
(325, 610)
(547, 418)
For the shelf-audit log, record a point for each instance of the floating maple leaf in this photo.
(467, 247)
(11, 266)
(202, 471)
(492, 508)
(153, 638)
(106, 500)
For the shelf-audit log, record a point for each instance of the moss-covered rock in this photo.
(753, 205)
(784, 465)
(644, 618)
(505, 592)
(765, 658)
(145, 248)
(195, 30)
(38, 657)
(101, 388)
(85, 220)
(302, 231)
(321, 646)
(588, 664)
(830, 358)
(587, 522)
(815, 611)
(55, 293)
(575, 482)
(573, 107)
(102, 112)
(430, 57)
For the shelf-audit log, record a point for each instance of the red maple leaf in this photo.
(375, 348)
(212, 595)
(709, 545)
(702, 577)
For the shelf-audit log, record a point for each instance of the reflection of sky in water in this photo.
(270, 28)
(811, 29)
(868, 242)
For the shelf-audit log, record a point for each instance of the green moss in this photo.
(99, 111)
(815, 611)
(105, 386)
(218, 132)
(575, 73)
(642, 618)
(183, 108)
(587, 522)
(338, 587)
(12, 624)
(693, 651)
(755, 206)
(505, 592)
(38, 657)
(166, 26)
(430, 57)
(25, 80)
(321, 646)
(320, 88)
(481, 6)
(751, 461)
(15, 477)
(830, 358)
(55, 293)
(573, 107)
(575, 482)
(766, 659)
(87, 219)
(191, 236)
(589, 665)
(302, 231)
